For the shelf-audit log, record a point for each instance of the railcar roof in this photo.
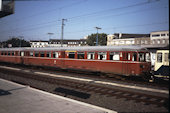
(81, 48)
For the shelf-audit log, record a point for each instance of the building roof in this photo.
(81, 48)
(160, 31)
(126, 35)
(68, 40)
(38, 41)
(156, 46)
(65, 41)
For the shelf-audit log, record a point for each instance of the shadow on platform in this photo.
(3, 92)
(72, 93)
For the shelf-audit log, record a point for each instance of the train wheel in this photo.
(147, 77)
(151, 79)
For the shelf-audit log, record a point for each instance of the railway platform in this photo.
(16, 98)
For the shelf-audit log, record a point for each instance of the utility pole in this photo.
(21, 38)
(62, 31)
(97, 35)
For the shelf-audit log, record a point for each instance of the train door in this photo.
(159, 62)
(161, 68)
(62, 55)
(55, 55)
(22, 56)
(125, 63)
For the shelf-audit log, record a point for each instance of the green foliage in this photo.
(16, 42)
(102, 39)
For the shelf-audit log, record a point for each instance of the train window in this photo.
(159, 57)
(9, 53)
(166, 57)
(55, 55)
(125, 56)
(48, 54)
(134, 57)
(2, 53)
(27, 53)
(42, 54)
(31, 54)
(114, 55)
(128, 56)
(141, 57)
(15, 53)
(147, 57)
(5, 53)
(102, 55)
(36, 54)
(90, 55)
(80, 55)
(12, 53)
(22, 53)
(71, 55)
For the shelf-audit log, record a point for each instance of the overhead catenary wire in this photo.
(69, 18)
(46, 12)
(103, 17)
(113, 9)
(41, 25)
(114, 15)
(108, 28)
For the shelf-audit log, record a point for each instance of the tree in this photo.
(16, 42)
(102, 39)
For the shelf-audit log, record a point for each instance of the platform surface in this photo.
(16, 98)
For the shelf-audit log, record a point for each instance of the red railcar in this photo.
(122, 60)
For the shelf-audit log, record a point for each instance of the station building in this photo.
(159, 37)
(154, 41)
(38, 43)
(127, 39)
(67, 43)
(57, 43)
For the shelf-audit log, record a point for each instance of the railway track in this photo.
(108, 77)
(91, 88)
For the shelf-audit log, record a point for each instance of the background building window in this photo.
(158, 41)
(163, 41)
(162, 34)
(156, 35)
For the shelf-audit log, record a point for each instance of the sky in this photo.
(34, 19)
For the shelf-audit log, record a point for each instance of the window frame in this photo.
(91, 57)
(114, 53)
(80, 54)
(72, 53)
(158, 57)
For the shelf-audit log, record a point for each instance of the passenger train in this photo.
(120, 60)
(161, 68)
